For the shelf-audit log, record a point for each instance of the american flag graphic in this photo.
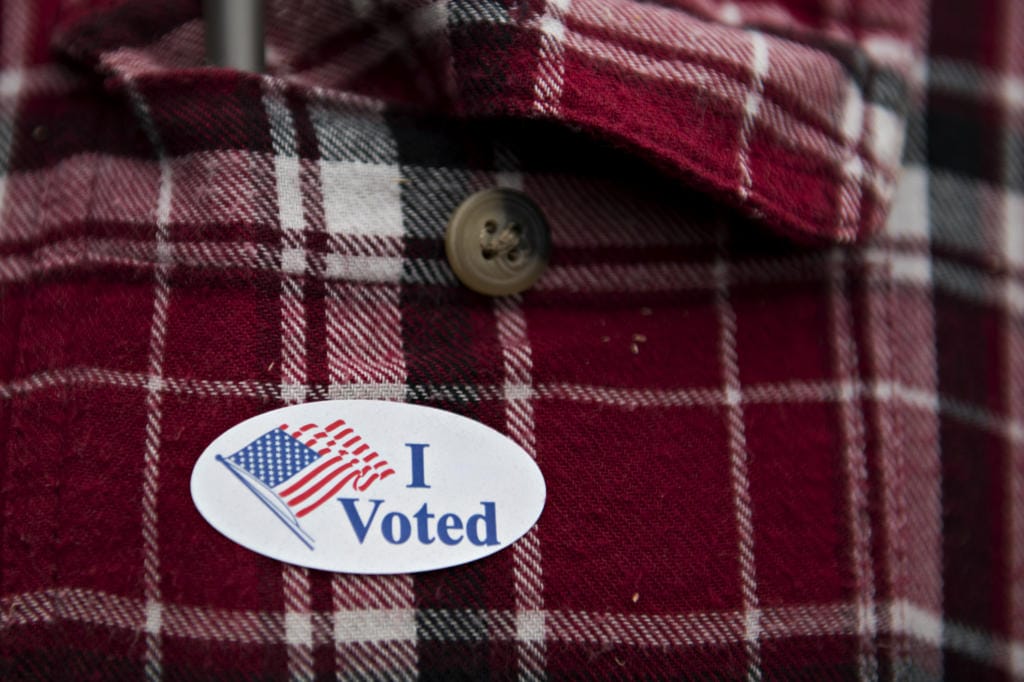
(295, 471)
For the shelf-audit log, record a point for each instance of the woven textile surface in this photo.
(773, 376)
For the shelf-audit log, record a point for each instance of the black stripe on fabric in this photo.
(41, 137)
(963, 136)
(438, 143)
(905, 669)
(435, 193)
(889, 89)
(452, 625)
(466, 12)
(971, 466)
(316, 240)
(437, 332)
(65, 664)
(227, 113)
(915, 150)
(956, 666)
(453, 644)
(1013, 156)
(812, 673)
(438, 336)
(350, 135)
(488, 79)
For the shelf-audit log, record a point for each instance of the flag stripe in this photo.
(312, 490)
(368, 483)
(308, 477)
(327, 496)
(296, 474)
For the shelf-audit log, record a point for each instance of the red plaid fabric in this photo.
(763, 459)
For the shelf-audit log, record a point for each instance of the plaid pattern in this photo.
(762, 459)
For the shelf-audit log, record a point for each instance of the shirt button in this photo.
(497, 242)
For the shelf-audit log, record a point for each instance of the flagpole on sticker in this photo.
(272, 501)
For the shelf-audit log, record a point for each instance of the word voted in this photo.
(397, 528)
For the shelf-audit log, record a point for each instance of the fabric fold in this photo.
(796, 119)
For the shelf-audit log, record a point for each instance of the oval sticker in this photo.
(366, 486)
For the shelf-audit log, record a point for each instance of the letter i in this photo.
(418, 479)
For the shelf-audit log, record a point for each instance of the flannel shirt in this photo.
(774, 374)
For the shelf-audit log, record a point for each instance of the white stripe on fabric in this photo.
(375, 625)
(738, 467)
(298, 624)
(812, 138)
(909, 217)
(850, 194)
(852, 437)
(890, 50)
(154, 397)
(547, 88)
(531, 654)
(365, 348)
(954, 277)
(679, 37)
(362, 198)
(286, 163)
(38, 79)
(909, 446)
(662, 631)
(352, 268)
(517, 361)
(624, 398)
(1013, 228)
(887, 135)
(11, 81)
(1012, 331)
(289, 192)
(1013, 402)
(372, 631)
(730, 13)
(758, 67)
(16, 31)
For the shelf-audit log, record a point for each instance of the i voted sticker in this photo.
(364, 486)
